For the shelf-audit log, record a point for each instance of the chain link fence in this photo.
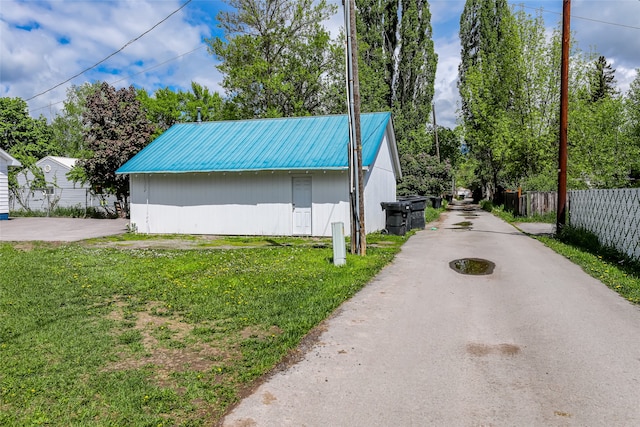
(612, 215)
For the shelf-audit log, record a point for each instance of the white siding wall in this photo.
(246, 203)
(380, 186)
(69, 194)
(330, 195)
(4, 188)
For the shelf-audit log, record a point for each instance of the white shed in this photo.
(260, 177)
(5, 161)
(59, 191)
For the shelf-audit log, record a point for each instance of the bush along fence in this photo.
(612, 215)
(530, 203)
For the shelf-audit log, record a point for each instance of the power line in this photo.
(131, 75)
(114, 53)
(158, 65)
(578, 17)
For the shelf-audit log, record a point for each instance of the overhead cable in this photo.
(131, 75)
(577, 17)
(114, 53)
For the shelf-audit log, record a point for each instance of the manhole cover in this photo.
(474, 266)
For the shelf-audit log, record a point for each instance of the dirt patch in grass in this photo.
(167, 343)
(23, 246)
(28, 246)
(202, 242)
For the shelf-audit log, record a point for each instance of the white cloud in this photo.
(33, 59)
(446, 96)
(445, 19)
(608, 32)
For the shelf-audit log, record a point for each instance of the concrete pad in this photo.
(59, 229)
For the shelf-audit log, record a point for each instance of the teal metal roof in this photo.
(263, 144)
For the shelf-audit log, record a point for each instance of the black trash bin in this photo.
(436, 202)
(398, 217)
(417, 206)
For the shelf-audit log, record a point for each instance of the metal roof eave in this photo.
(290, 170)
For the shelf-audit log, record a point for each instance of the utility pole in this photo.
(564, 108)
(435, 131)
(358, 234)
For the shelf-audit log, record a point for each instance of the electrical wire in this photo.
(577, 17)
(114, 53)
(129, 76)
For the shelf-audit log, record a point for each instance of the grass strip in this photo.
(620, 277)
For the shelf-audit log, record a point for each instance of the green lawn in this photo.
(93, 335)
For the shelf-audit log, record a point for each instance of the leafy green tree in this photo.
(425, 175)
(508, 81)
(25, 138)
(449, 141)
(274, 56)
(117, 129)
(532, 159)
(632, 108)
(164, 109)
(212, 106)
(68, 131)
(599, 154)
(603, 150)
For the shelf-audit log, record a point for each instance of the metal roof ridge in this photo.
(255, 119)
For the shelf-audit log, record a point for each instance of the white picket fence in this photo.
(612, 215)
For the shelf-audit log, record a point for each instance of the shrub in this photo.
(68, 212)
(486, 205)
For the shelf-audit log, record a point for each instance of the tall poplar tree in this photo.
(415, 72)
(397, 67)
(490, 86)
(377, 27)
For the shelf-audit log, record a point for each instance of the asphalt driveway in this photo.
(59, 229)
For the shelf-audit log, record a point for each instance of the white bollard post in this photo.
(339, 246)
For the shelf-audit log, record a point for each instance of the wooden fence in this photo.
(530, 203)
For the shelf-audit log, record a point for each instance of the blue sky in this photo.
(44, 43)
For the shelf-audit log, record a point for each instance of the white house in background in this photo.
(59, 191)
(5, 161)
(276, 177)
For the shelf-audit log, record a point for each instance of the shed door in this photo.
(302, 206)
